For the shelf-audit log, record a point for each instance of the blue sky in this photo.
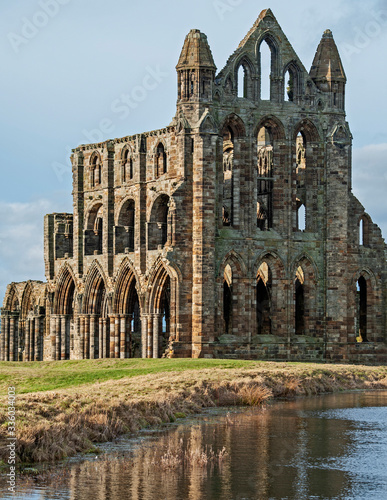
(66, 65)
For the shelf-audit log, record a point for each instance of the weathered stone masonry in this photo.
(233, 232)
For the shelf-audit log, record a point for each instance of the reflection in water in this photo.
(330, 447)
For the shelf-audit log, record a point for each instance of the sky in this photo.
(67, 65)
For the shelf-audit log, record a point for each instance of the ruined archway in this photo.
(63, 314)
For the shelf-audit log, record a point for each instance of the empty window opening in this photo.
(94, 231)
(228, 185)
(161, 160)
(227, 300)
(266, 63)
(263, 301)
(242, 81)
(289, 86)
(158, 224)
(361, 294)
(265, 180)
(299, 302)
(164, 326)
(301, 216)
(124, 231)
(361, 232)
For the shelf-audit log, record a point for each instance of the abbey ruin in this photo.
(232, 232)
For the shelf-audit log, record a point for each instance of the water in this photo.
(330, 447)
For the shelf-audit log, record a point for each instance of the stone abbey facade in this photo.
(233, 232)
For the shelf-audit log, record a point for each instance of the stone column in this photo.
(105, 346)
(7, 329)
(122, 337)
(92, 336)
(112, 336)
(87, 337)
(117, 337)
(63, 338)
(32, 340)
(82, 336)
(156, 327)
(53, 336)
(144, 336)
(37, 338)
(150, 335)
(3, 330)
(27, 340)
(11, 338)
(100, 339)
(57, 338)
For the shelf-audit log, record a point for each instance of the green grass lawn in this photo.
(52, 375)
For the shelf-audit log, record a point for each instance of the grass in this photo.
(67, 407)
(53, 375)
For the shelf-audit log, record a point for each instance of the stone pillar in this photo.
(150, 335)
(128, 337)
(82, 335)
(32, 339)
(92, 336)
(57, 338)
(37, 338)
(63, 337)
(27, 340)
(105, 345)
(156, 327)
(53, 336)
(15, 339)
(112, 336)
(117, 337)
(7, 330)
(122, 337)
(11, 338)
(144, 336)
(100, 338)
(87, 337)
(3, 330)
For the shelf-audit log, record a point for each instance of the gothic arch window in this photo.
(301, 216)
(266, 69)
(94, 312)
(127, 167)
(95, 170)
(361, 306)
(244, 78)
(227, 300)
(228, 184)
(364, 231)
(125, 229)
(292, 79)
(263, 299)
(161, 160)
(158, 223)
(265, 180)
(94, 231)
(299, 302)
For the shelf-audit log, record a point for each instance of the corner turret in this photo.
(195, 69)
(327, 71)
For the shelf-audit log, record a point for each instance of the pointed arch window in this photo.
(161, 160)
(263, 300)
(127, 167)
(94, 231)
(228, 183)
(227, 300)
(266, 66)
(125, 229)
(265, 180)
(299, 302)
(361, 302)
(95, 171)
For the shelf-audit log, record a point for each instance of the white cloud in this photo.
(370, 181)
(21, 241)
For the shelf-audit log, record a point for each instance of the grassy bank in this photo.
(63, 408)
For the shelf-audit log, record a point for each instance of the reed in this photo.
(52, 425)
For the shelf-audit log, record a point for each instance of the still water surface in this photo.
(329, 447)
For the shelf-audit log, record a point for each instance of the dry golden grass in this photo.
(52, 425)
